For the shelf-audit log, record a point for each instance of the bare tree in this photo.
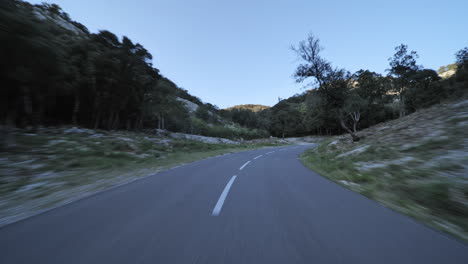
(333, 83)
(354, 106)
(314, 65)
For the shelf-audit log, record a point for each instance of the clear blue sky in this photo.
(237, 51)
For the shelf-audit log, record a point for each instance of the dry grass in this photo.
(56, 165)
(417, 165)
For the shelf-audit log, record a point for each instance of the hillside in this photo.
(83, 111)
(55, 73)
(447, 71)
(93, 80)
(417, 165)
(251, 107)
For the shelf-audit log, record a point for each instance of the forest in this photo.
(336, 101)
(55, 72)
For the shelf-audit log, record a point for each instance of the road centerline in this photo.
(268, 153)
(222, 197)
(245, 164)
(258, 157)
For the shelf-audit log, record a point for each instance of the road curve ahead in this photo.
(260, 206)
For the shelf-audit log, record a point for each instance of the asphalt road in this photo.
(274, 211)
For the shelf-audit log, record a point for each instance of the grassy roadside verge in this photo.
(55, 166)
(416, 192)
(416, 165)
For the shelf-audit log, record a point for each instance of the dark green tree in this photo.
(332, 83)
(462, 67)
(402, 66)
(425, 90)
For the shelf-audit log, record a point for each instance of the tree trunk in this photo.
(355, 116)
(97, 112)
(128, 125)
(38, 115)
(27, 104)
(110, 121)
(7, 130)
(345, 127)
(97, 119)
(140, 122)
(116, 122)
(159, 121)
(137, 123)
(76, 109)
(402, 106)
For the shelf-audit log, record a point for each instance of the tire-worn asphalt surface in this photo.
(276, 211)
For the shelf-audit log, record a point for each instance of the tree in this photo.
(314, 116)
(373, 88)
(313, 64)
(354, 106)
(462, 57)
(54, 72)
(424, 90)
(245, 117)
(203, 113)
(402, 67)
(462, 66)
(336, 91)
(333, 83)
(370, 85)
(286, 120)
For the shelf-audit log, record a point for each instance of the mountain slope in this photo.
(56, 72)
(251, 107)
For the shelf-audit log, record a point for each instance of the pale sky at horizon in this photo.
(238, 52)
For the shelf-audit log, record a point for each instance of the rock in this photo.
(209, 140)
(192, 107)
(347, 183)
(55, 142)
(77, 130)
(460, 104)
(354, 151)
(126, 139)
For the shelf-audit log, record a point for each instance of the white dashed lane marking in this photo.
(245, 164)
(222, 197)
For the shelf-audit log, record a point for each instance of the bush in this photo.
(232, 131)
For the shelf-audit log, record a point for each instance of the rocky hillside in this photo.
(417, 165)
(95, 80)
(251, 107)
(52, 13)
(447, 71)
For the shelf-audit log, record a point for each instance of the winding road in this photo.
(260, 206)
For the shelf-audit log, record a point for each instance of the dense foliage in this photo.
(343, 102)
(55, 72)
(251, 107)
